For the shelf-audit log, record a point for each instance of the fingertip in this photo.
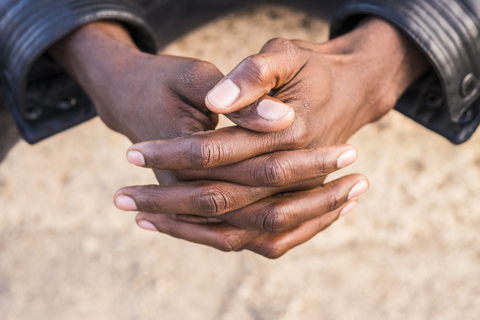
(142, 220)
(272, 110)
(222, 96)
(347, 157)
(268, 115)
(349, 207)
(144, 224)
(359, 188)
(136, 157)
(266, 125)
(124, 202)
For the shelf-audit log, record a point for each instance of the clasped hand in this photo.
(258, 185)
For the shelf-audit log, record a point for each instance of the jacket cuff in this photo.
(42, 97)
(446, 98)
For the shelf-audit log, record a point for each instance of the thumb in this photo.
(243, 94)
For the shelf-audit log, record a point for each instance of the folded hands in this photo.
(259, 185)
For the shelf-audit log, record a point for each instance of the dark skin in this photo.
(246, 190)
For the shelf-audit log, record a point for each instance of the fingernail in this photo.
(271, 110)
(125, 203)
(349, 207)
(136, 158)
(223, 95)
(358, 189)
(346, 158)
(146, 225)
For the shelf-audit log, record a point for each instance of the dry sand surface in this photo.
(411, 249)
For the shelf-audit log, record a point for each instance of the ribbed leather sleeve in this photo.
(41, 96)
(445, 99)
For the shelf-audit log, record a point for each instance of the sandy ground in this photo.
(410, 250)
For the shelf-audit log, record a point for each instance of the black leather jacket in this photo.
(43, 99)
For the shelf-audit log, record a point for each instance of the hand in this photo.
(170, 92)
(259, 209)
(143, 96)
(334, 88)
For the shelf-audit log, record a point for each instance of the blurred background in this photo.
(411, 249)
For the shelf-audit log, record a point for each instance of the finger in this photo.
(198, 219)
(277, 63)
(202, 198)
(279, 168)
(213, 148)
(194, 80)
(266, 114)
(227, 238)
(243, 94)
(285, 211)
(220, 236)
(273, 246)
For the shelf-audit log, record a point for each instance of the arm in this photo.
(446, 98)
(42, 98)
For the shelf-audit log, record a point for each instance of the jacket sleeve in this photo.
(41, 96)
(446, 98)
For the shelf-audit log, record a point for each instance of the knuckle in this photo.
(274, 174)
(195, 79)
(323, 166)
(278, 43)
(152, 205)
(148, 200)
(229, 241)
(211, 201)
(192, 72)
(332, 200)
(268, 220)
(205, 153)
(284, 46)
(276, 219)
(256, 67)
(273, 251)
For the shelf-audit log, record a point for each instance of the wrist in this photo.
(96, 56)
(383, 62)
(95, 53)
